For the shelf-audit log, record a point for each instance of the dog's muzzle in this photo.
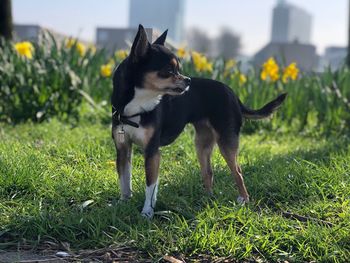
(186, 82)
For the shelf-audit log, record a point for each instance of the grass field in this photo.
(59, 183)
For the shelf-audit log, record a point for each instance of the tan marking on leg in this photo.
(229, 152)
(152, 168)
(205, 140)
(148, 134)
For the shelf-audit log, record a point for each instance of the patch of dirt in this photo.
(60, 252)
(27, 256)
(110, 254)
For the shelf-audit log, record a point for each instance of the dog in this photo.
(151, 104)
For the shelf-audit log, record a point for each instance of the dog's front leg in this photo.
(124, 153)
(123, 163)
(152, 168)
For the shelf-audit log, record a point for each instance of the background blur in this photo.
(313, 32)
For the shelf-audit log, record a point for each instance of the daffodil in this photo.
(201, 62)
(242, 79)
(270, 70)
(181, 52)
(92, 48)
(229, 66)
(25, 49)
(80, 47)
(70, 43)
(290, 72)
(231, 63)
(121, 54)
(106, 70)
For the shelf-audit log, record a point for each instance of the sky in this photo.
(251, 19)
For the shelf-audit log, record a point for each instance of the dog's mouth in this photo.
(177, 90)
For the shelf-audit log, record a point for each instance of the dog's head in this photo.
(154, 67)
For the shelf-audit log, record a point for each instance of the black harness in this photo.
(124, 120)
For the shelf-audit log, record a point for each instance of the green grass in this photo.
(48, 172)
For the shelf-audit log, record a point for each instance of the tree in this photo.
(228, 44)
(199, 41)
(5, 19)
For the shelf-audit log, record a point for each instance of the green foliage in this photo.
(50, 84)
(64, 188)
(62, 82)
(315, 102)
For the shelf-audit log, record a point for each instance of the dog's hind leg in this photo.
(229, 150)
(152, 168)
(205, 141)
(123, 163)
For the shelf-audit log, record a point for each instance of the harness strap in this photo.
(125, 119)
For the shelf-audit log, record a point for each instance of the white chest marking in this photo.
(144, 100)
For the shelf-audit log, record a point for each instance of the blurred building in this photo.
(290, 38)
(290, 23)
(334, 57)
(26, 32)
(35, 33)
(113, 39)
(162, 15)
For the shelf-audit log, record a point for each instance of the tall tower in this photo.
(162, 15)
(290, 24)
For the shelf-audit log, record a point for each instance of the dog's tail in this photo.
(265, 111)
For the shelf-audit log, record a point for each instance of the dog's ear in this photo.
(161, 39)
(140, 45)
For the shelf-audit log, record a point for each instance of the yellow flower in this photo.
(25, 49)
(242, 79)
(111, 62)
(270, 70)
(290, 72)
(229, 66)
(80, 47)
(92, 48)
(181, 52)
(106, 70)
(231, 63)
(263, 75)
(70, 43)
(201, 63)
(121, 54)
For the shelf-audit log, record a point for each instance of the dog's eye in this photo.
(166, 73)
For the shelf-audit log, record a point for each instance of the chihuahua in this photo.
(151, 104)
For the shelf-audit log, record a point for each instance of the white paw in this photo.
(241, 200)
(147, 213)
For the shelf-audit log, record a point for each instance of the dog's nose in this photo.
(187, 81)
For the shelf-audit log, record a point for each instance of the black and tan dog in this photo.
(152, 102)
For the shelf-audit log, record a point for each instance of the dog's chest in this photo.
(143, 101)
(139, 136)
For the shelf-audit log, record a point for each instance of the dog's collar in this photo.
(125, 119)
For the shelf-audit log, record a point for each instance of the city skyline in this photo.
(251, 19)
